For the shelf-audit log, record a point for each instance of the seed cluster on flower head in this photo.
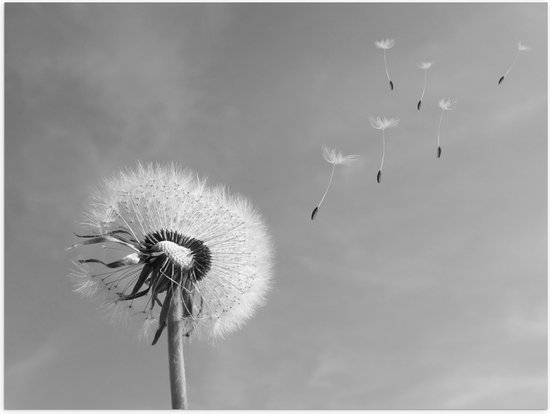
(214, 245)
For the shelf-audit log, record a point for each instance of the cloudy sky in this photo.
(425, 291)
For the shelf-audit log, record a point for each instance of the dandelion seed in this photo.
(197, 259)
(445, 105)
(383, 124)
(386, 44)
(314, 213)
(335, 158)
(424, 66)
(521, 48)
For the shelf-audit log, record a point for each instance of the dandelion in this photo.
(386, 44)
(178, 254)
(335, 158)
(424, 66)
(383, 124)
(521, 48)
(445, 105)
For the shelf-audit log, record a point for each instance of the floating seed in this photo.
(500, 80)
(379, 176)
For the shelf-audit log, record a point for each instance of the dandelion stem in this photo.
(328, 186)
(386, 66)
(383, 149)
(425, 84)
(176, 334)
(439, 127)
(513, 62)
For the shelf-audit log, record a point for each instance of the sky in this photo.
(426, 291)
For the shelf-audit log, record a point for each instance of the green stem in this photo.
(439, 126)
(510, 67)
(383, 149)
(176, 334)
(425, 83)
(328, 186)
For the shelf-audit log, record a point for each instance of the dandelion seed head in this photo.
(175, 230)
(337, 158)
(523, 48)
(425, 65)
(385, 43)
(447, 104)
(383, 122)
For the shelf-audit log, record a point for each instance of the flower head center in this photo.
(185, 252)
(180, 255)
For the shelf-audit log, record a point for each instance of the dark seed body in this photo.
(314, 213)
(438, 152)
(379, 177)
(500, 80)
(391, 85)
(419, 105)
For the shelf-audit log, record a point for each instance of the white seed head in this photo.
(337, 158)
(385, 43)
(383, 122)
(447, 104)
(523, 48)
(214, 245)
(425, 65)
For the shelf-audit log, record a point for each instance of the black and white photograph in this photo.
(276, 206)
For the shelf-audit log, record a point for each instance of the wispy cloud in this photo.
(464, 391)
(43, 354)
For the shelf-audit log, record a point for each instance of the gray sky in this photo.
(426, 291)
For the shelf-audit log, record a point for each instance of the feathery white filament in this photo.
(447, 104)
(335, 157)
(383, 123)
